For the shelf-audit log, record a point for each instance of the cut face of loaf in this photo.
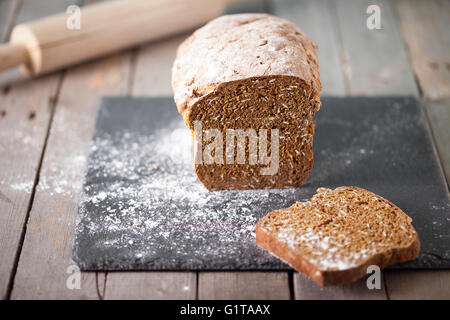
(250, 106)
(248, 87)
(338, 234)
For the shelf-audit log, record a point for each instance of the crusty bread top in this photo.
(341, 229)
(242, 46)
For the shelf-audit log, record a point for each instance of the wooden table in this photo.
(46, 125)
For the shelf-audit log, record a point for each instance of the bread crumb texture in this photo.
(338, 233)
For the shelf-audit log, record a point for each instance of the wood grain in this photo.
(418, 285)
(47, 247)
(317, 20)
(153, 67)
(425, 29)
(151, 285)
(25, 114)
(243, 285)
(375, 60)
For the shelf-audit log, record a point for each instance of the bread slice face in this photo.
(338, 234)
(274, 114)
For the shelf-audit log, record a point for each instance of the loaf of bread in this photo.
(338, 234)
(248, 86)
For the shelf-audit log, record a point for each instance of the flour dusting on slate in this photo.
(144, 209)
(144, 206)
(153, 204)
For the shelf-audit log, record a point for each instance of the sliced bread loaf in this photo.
(336, 235)
(248, 86)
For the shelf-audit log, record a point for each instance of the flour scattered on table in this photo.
(23, 186)
(142, 201)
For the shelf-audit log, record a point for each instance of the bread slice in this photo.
(253, 76)
(336, 235)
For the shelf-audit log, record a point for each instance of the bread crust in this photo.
(338, 277)
(282, 250)
(238, 47)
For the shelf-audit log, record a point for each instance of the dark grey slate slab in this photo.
(143, 208)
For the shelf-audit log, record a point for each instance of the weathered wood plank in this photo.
(152, 78)
(47, 247)
(305, 289)
(243, 285)
(420, 285)
(376, 60)
(26, 111)
(29, 11)
(151, 285)
(425, 27)
(317, 20)
(153, 67)
(439, 115)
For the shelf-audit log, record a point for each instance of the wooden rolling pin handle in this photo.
(12, 55)
(47, 44)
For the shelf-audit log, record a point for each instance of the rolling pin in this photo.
(49, 44)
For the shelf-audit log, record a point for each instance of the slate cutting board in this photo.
(143, 209)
